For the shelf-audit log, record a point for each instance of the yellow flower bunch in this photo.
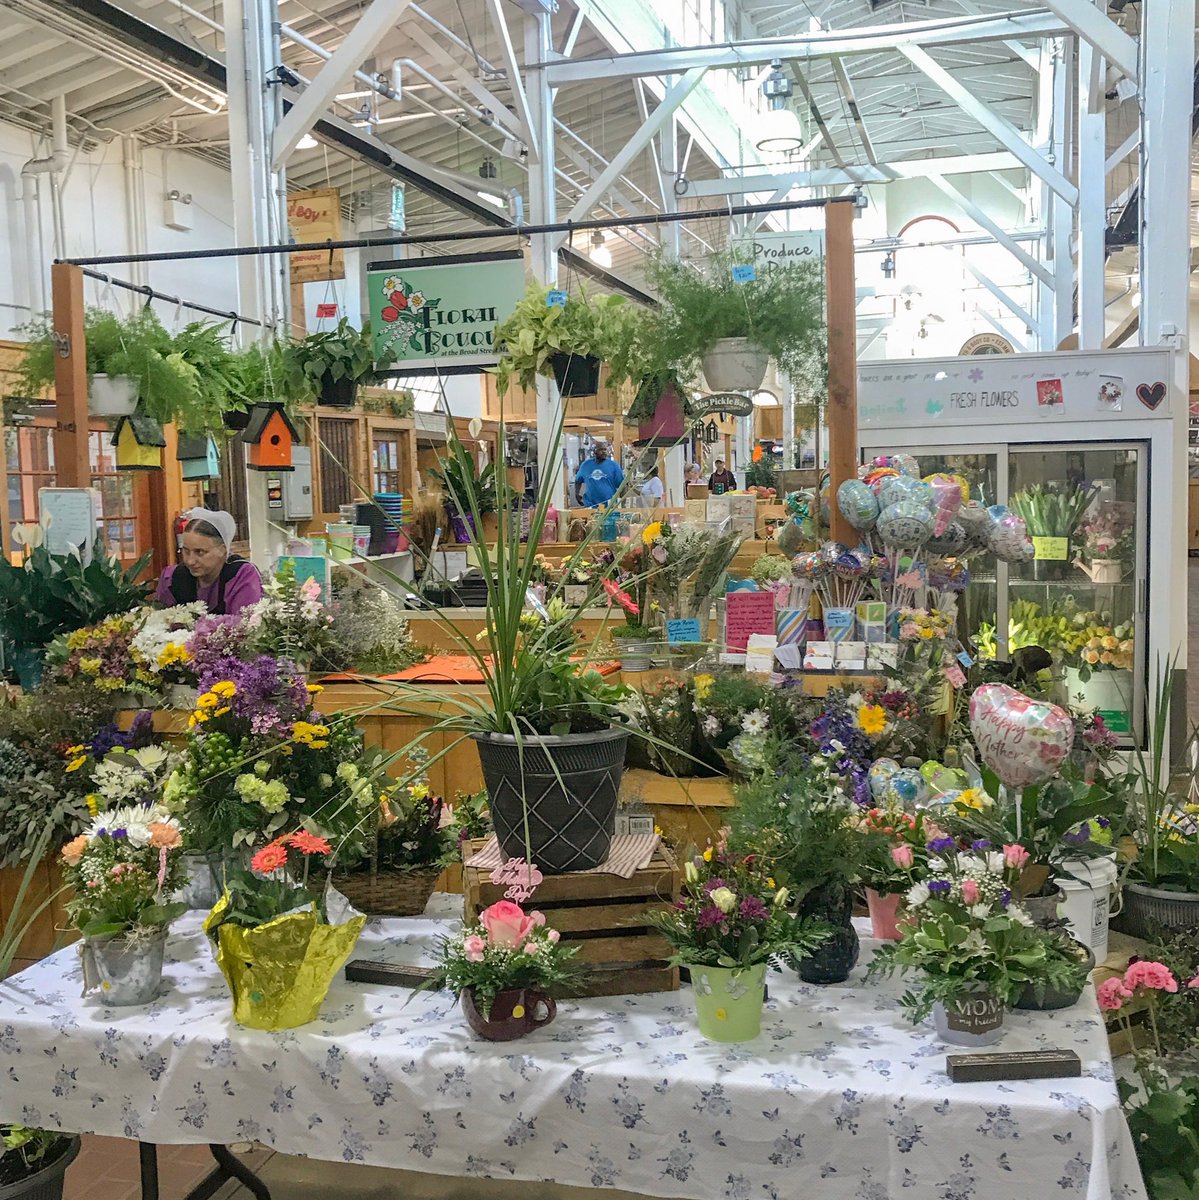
(226, 689)
(872, 719)
(308, 734)
(703, 686)
(173, 654)
(651, 533)
(77, 756)
(974, 798)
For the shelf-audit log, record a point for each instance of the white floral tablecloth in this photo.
(838, 1098)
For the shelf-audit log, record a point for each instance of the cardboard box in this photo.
(695, 510)
(744, 512)
(769, 517)
(850, 651)
(718, 508)
(697, 491)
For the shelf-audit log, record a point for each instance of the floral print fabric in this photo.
(839, 1097)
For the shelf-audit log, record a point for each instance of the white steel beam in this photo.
(1004, 133)
(741, 185)
(354, 50)
(1029, 55)
(1126, 147)
(1092, 195)
(851, 99)
(983, 221)
(512, 70)
(1095, 29)
(572, 33)
(1018, 344)
(1018, 309)
(636, 144)
(876, 39)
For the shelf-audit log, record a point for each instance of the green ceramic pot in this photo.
(728, 1001)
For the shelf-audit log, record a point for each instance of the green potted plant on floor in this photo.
(563, 341)
(716, 321)
(33, 1162)
(731, 924)
(330, 365)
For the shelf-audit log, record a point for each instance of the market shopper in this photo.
(652, 490)
(721, 480)
(598, 478)
(207, 570)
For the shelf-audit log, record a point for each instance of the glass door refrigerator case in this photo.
(1081, 479)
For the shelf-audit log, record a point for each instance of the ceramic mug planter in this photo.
(728, 1001)
(124, 970)
(884, 914)
(974, 1017)
(512, 1014)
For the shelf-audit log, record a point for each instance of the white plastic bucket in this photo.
(1087, 902)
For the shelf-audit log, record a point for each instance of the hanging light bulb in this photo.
(778, 129)
(307, 142)
(487, 168)
(599, 252)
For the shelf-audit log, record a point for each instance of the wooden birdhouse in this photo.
(270, 436)
(199, 457)
(139, 443)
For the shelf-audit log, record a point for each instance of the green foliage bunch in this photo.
(342, 352)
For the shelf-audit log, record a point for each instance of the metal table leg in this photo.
(228, 1166)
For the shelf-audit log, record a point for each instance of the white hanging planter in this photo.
(112, 395)
(735, 365)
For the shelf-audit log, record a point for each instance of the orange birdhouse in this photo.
(270, 436)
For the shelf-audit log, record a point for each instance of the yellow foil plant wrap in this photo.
(273, 943)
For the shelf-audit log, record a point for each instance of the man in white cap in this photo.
(207, 570)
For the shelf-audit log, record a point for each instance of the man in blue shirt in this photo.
(598, 478)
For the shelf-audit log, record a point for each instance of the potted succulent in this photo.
(330, 365)
(507, 968)
(977, 948)
(730, 925)
(1052, 513)
(34, 1161)
(564, 341)
(729, 325)
(277, 947)
(124, 868)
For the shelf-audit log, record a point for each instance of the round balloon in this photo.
(1010, 541)
(881, 771)
(949, 541)
(906, 464)
(876, 478)
(858, 504)
(907, 524)
(900, 487)
(973, 516)
(1024, 741)
(789, 537)
(906, 788)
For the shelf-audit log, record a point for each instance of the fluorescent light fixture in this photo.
(307, 142)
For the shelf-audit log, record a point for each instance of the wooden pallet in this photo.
(603, 916)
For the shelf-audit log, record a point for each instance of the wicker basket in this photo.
(390, 892)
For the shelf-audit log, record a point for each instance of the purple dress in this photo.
(244, 589)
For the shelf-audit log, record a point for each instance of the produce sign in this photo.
(442, 311)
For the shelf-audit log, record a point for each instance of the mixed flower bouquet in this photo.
(506, 950)
(130, 776)
(103, 654)
(123, 869)
(161, 642)
(925, 625)
(1108, 533)
(278, 947)
(666, 712)
(965, 931)
(732, 914)
(894, 847)
(742, 720)
(290, 620)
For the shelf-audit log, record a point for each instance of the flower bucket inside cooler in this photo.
(1109, 693)
(668, 422)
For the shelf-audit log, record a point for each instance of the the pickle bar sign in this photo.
(442, 312)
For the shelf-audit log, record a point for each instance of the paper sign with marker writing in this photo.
(682, 629)
(1051, 549)
(744, 273)
(747, 613)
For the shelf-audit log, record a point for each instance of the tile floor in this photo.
(107, 1168)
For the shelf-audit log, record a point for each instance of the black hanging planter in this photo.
(570, 785)
(235, 420)
(338, 393)
(834, 960)
(576, 374)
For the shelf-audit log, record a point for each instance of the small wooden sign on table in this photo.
(604, 916)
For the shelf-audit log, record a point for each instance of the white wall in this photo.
(96, 204)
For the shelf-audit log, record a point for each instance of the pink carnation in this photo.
(1151, 975)
(538, 918)
(553, 935)
(1194, 983)
(969, 891)
(473, 946)
(1111, 994)
(902, 857)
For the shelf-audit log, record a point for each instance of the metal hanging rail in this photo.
(567, 227)
(151, 294)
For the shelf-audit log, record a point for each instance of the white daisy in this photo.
(981, 911)
(1020, 916)
(917, 895)
(755, 721)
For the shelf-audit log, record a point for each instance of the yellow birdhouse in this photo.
(139, 444)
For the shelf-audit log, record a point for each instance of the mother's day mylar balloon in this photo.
(1024, 741)
(881, 771)
(858, 504)
(907, 524)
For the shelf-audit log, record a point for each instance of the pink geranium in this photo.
(473, 946)
(1111, 994)
(507, 924)
(1194, 983)
(1153, 975)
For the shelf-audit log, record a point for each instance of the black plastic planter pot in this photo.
(338, 393)
(576, 374)
(45, 1184)
(570, 785)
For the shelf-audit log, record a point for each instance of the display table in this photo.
(839, 1096)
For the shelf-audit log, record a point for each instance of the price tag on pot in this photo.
(555, 299)
(744, 273)
(1051, 549)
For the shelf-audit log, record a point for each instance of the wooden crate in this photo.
(604, 916)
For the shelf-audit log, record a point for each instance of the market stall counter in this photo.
(839, 1095)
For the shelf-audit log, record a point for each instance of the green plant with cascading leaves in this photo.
(781, 310)
(339, 353)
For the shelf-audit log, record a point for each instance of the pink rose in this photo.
(554, 935)
(506, 924)
(902, 857)
(530, 947)
(1194, 983)
(969, 891)
(1151, 975)
(538, 918)
(1015, 856)
(473, 945)
(1111, 995)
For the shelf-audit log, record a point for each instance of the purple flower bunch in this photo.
(837, 732)
(215, 640)
(139, 735)
(269, 694)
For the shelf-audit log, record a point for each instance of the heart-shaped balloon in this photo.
(1024, 741)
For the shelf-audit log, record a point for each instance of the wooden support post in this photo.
(841, 302)
(72, 465)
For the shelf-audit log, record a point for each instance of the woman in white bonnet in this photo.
(207, 570)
